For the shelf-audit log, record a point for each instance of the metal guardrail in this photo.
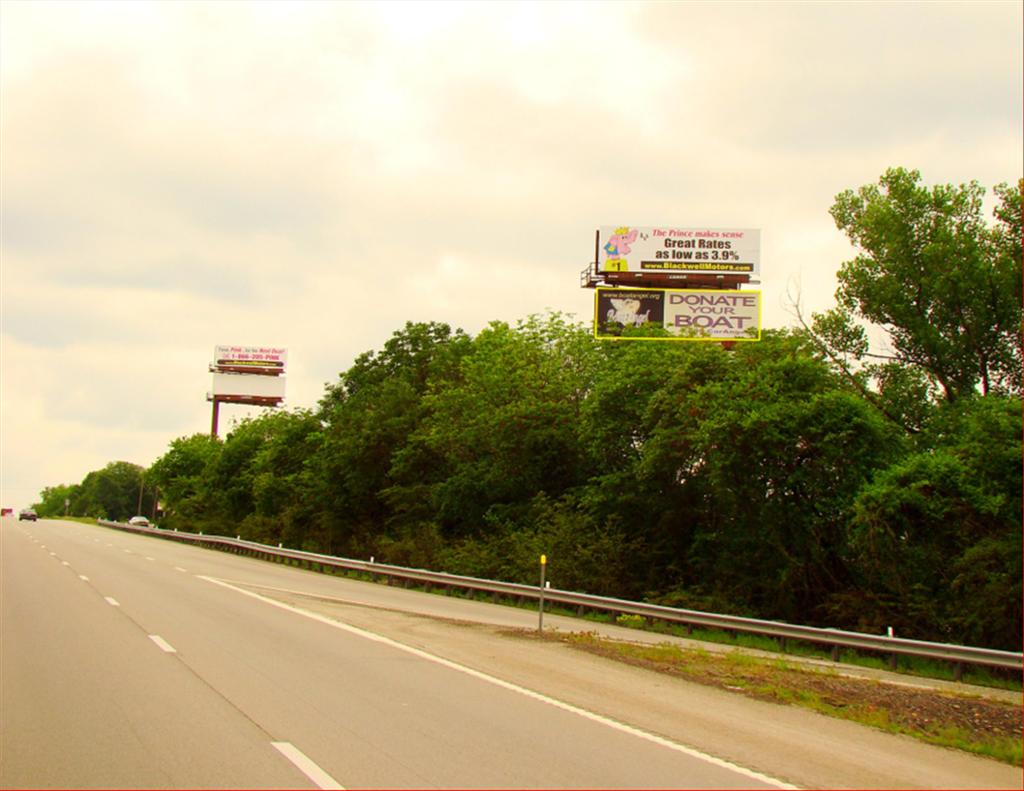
(834, 638)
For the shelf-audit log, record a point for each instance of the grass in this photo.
(914, 666)
(935, 717)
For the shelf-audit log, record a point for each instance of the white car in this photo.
(139, 521)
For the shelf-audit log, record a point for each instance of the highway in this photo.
(127, 661)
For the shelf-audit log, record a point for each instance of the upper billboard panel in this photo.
(707, 251)
(263, 358)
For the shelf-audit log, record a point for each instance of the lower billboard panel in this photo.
(255, 385)
(677, 314)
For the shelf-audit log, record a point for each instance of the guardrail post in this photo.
(958, 671)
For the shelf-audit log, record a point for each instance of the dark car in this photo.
(27, 513)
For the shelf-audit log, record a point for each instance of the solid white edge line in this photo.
(112, 601)
(307, 766)
(607, 721)
(164, 645)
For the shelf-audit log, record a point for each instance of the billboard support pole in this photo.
(216, 414)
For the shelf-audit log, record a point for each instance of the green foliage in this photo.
(760, 455)
(945, 286)
(117, 491)
(505, 429)
(52, 499)
(936, 536)
(180, 475)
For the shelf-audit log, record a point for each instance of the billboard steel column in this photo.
(216, 413)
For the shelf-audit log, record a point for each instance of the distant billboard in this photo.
(266, 359)
(666, 249)
(248, 386)
(685, 314)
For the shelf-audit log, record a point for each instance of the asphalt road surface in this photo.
(127, 661)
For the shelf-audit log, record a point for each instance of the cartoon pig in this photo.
(617, 248)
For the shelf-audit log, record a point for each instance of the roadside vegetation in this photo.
(812, 477)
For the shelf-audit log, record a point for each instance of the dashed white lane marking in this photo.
(112, 601)
(83, 577)
(179, 568)
(53, 554)
(589, 715)
(128, 552)
(64, 563)
(148, 557)
(164, 645)
(307, 766)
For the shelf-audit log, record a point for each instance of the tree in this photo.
(52, 499)
(935, 538)
(369, 418)
(181, 475)
(504, 428)
(114, 492)
(943, 285)
(755, 458)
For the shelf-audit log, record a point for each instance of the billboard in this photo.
(707, 251)
(248, 385)
(264, 358)
(685, 314)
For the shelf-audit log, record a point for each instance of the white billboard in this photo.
(269, 358)
(699, 250)
(248, 385)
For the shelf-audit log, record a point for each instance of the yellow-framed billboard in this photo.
(679, 314)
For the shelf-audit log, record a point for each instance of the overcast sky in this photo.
(184, 174)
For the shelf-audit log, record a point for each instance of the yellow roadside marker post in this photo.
(543, 567)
